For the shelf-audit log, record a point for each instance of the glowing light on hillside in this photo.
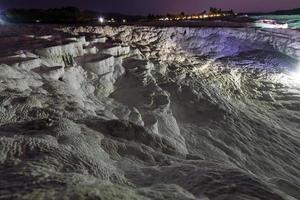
(2, 22)
(295, 75)
(298, 71)
(266, 23)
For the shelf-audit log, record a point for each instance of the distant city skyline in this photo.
(157, 6)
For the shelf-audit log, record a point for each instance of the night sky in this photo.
(156, 6)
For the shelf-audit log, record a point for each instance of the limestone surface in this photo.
(133, 112)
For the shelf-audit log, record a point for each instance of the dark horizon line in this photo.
(121, 13)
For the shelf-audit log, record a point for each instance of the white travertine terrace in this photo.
(149, 113)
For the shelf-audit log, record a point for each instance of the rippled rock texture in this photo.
(149, 113)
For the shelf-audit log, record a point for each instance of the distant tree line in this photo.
(65, 14)
(295, 11)
(74, 15)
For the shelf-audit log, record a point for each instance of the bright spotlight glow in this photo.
(295, 75)
(267, 23)
(1, 21)
(101, 20)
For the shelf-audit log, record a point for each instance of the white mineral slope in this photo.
(148, 113)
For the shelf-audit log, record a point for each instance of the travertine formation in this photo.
(148, 113)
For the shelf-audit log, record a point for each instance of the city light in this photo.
(101, 20)
(112, 20)
(197, 16)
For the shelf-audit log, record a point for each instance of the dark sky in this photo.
(156, 6)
